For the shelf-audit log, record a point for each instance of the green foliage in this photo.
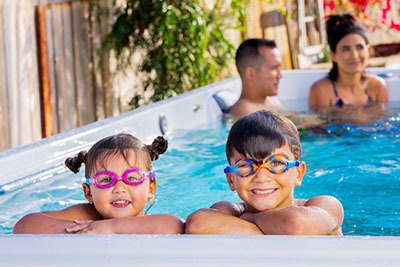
(325, 55)
(185, 44)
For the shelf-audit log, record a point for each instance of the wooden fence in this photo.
(49, 76)
(49, 79)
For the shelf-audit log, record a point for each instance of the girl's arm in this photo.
(55, 222)
(148, 224)
(221, 218)
(321, 215)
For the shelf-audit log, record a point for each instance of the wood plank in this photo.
(52, 73)
(98, 84)
(44, 72)
(4, 131)
(83, 66)
(68, 90)
(58, 47)
(110, 101)
(29, 125)
(11, 62)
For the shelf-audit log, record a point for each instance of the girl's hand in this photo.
(90, 227)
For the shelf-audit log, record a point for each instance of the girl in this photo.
(347, 84)
(119, 185)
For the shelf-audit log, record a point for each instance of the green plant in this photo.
(184, 44)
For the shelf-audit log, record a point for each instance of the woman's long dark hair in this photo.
(339, 26)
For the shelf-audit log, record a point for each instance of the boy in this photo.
(263, 150)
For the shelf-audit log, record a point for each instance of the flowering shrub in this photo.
(373, 13)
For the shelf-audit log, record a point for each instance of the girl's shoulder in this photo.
(300, 202)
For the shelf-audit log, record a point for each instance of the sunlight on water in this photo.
(360, 165)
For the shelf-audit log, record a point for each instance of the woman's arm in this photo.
(55, 222)
(321, 215)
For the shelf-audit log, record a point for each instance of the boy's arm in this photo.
(149, 224)
(229, 208)
(221, 218)
(321, 215)
(55, 222)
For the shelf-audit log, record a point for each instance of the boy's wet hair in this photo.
(119, 144)
(248, 53)
(257, 135)
(337, 27)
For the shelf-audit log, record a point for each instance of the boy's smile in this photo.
(264, 190)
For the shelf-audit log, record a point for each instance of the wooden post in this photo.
(44, 73)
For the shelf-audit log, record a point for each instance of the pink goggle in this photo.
(106, 179)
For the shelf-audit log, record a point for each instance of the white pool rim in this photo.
(185, 111)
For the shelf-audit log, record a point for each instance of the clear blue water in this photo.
(360, 165)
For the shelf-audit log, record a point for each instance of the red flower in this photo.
(329, 4)
(385, 11)
(394, 26)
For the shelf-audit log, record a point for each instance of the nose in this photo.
(354, 53)
(279, 74)
(119, 187)
(262, 175)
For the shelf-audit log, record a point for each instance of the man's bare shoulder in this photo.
(242, 108)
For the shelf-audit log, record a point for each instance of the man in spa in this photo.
(258, 62)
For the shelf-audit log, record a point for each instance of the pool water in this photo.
(360, 165)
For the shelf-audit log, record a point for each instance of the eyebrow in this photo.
(347, 46)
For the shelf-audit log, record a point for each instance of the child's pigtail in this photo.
(75, 163)
(158, 147)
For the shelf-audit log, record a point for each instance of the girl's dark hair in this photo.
(337, 27)
(257, 135)
(116, 144)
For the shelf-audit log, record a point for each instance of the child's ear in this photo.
(152, 189)
(230, 179)
(87, 193)
(301, 170)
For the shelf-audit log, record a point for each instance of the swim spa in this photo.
(192, 122)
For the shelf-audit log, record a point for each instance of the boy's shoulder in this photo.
(300, 202)
(329, 203)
